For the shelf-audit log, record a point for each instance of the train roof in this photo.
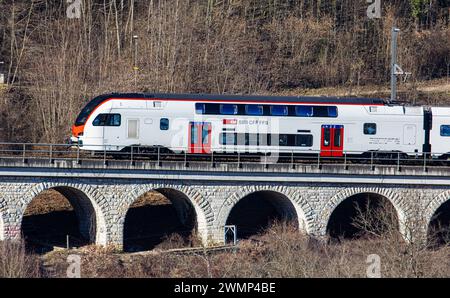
(95, 102)
(249, 98)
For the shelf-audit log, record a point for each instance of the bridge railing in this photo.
(49, 153)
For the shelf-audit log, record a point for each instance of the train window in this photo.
(246, 139)
(228, 109)
(240, 139)
(107, 120)
(232, 139)
(100, 120)
(445, 130)
(205, 134)
(253, 139)
(332, 112)
(114, 120)
(320, 111)
(292, 139)
(212, 109)
(194, 134)
(254, 110)
(283, 140)
(304, 140)
(304, 111)
(279, 110)
(228, 139)
(326, 137)
(200, 108)
(337, 137)
(260, 110)
(164, 124)
(264, 140)
(370, 128)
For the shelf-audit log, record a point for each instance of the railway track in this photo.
(54, 152)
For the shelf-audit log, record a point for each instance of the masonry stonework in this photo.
(101, 204)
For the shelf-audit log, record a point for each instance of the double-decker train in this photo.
(205, 124)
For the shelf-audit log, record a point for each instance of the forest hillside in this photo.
(54, 64)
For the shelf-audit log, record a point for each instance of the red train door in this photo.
(332, 141)
(200, 137)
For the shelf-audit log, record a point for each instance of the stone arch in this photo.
(2, 230)
(204, 215)
(349, 192)
(303, 210)
(432, 207)
(86, 201)
(2, 225)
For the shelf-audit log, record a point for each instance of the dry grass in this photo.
(431, 87)
(175, 240)
(279, 252)
(16, 263)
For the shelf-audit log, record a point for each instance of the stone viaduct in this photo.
(102, 194)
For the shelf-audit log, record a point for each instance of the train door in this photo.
(114, 132)
(200, 137)
(132, 128)
(409, 134)
(332, 141)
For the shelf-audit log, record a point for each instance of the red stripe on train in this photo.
(230, 121)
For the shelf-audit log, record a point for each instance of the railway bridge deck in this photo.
(208, 193)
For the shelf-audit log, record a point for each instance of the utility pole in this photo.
(395, 32)
(135, 67)
(396, 70)
(2, 74)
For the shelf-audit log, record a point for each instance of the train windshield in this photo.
(87, 110)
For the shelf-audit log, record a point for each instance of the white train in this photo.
(260, 124)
